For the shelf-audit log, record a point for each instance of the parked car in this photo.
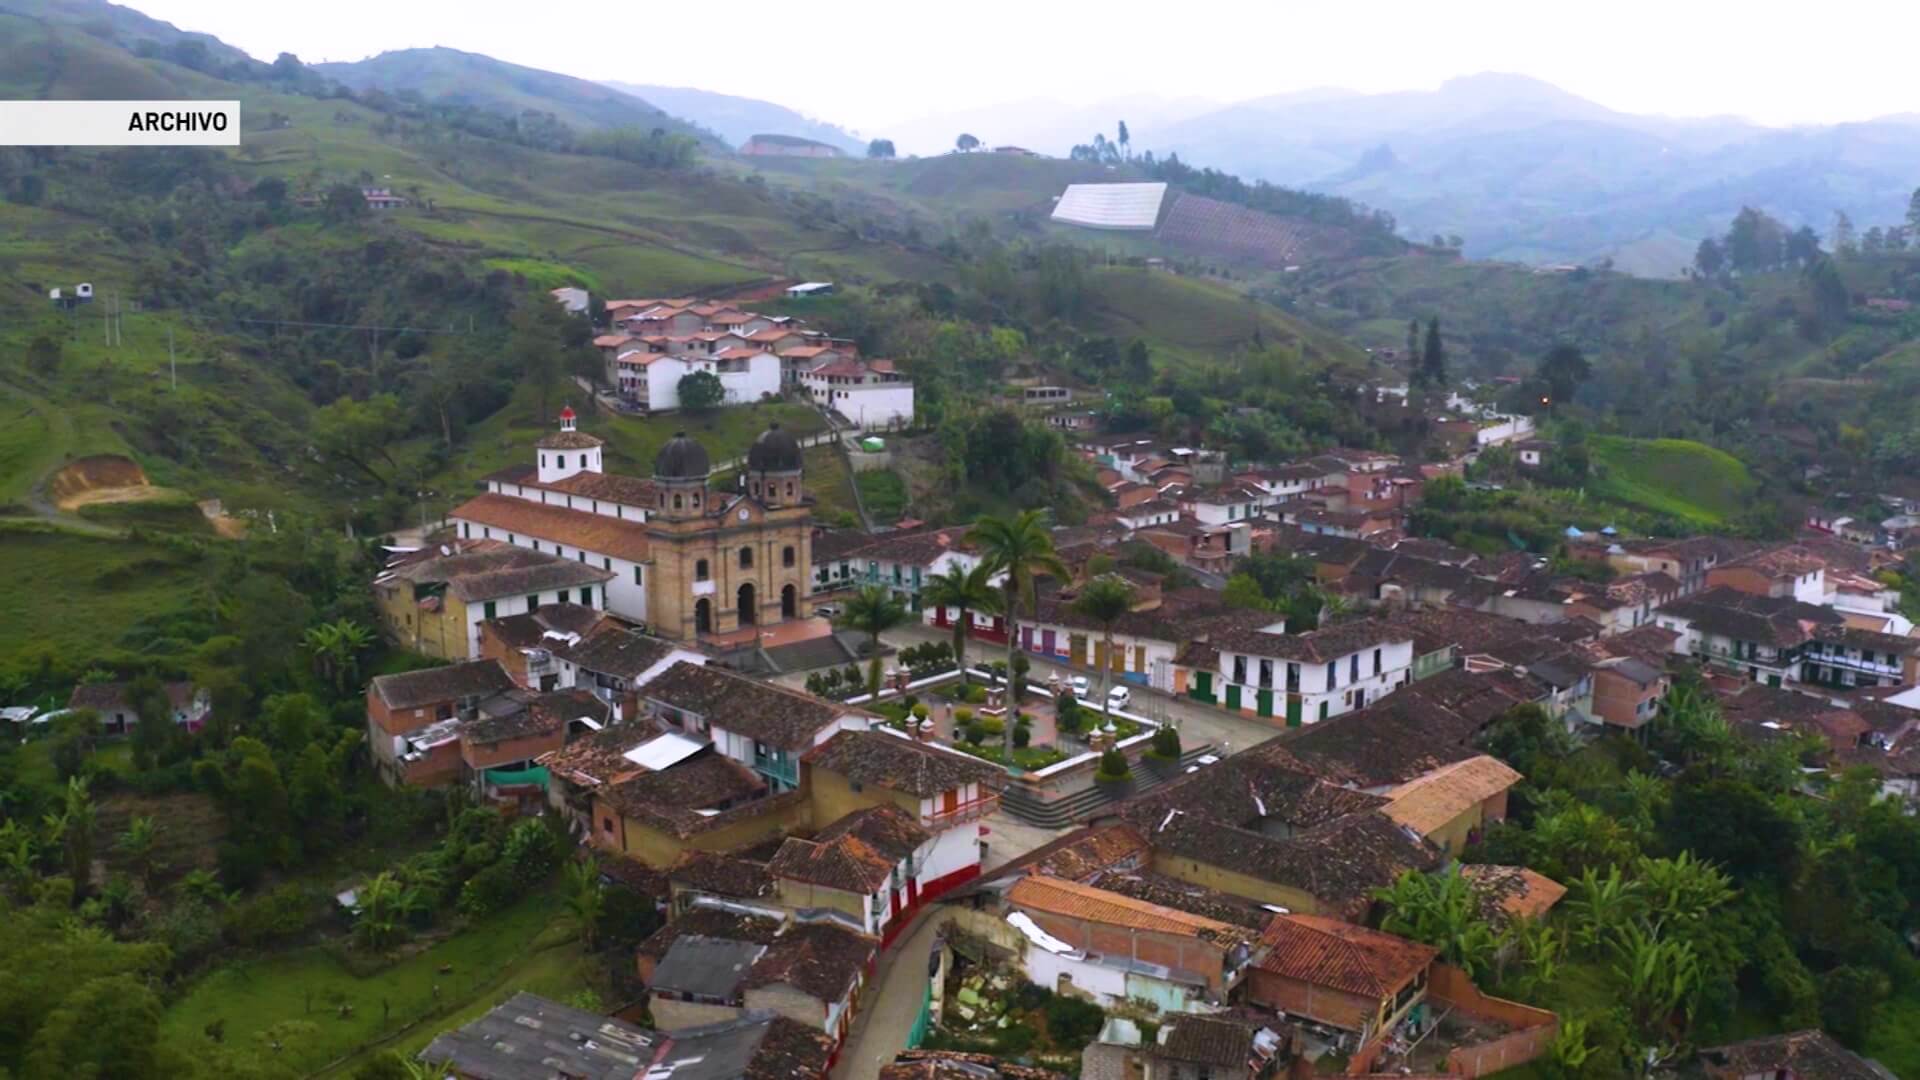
(1119, 698)
(1080, 686)
(827, 611)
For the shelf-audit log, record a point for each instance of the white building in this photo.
(1313, 676)
(573, 298)
(869, 393)
(652, 379)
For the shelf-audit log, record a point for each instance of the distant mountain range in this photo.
(449, 75)
(737, 119)
(1525, 171)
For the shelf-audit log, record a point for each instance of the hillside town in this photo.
(1204, 806)
(527, 576)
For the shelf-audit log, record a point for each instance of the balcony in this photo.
(778, 767)
(963, 813)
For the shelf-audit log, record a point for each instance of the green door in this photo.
(1233, 697)
(1263, 702)
(1202, 689)
(1773, 680)
(1293, 712)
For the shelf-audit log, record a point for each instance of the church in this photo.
(688, 561)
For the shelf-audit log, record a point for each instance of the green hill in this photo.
(1685, 479)
(448, 75)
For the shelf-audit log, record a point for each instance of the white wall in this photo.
(761, 378)
(604, 507)
(624, 595)
(873, 405)
(1506, 430)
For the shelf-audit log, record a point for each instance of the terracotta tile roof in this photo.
(745, 706)
(616, 650)
(672, 800)
(1341, 956)
(1217, 1041)
(886, 828)
(481, 570)
(790, 1050)
(611, 341)
(1185, 896)
(432, 686)
(1428, 803)
(1339, 863)
(606, 487)
(820, 959)
(1803, 1055)
(1515, 892)
(900, 764)
(1094, 850)
(722, 875)
(1070, 899)
(596, 533)
(846, 863)
(543, 714)
(109, 696)
(596, 759)
(1315, 646)
(547, 627)
(569, 440)
(1788, 561)
(1769, 620)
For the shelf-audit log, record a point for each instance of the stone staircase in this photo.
(1072, 809)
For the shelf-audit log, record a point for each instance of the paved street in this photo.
(891, 1003)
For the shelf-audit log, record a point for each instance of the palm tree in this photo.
(382, 907)
(873, 611)
(969, 591)
(17, 858)
(1444, 912)
(1600, 904)
(1104, 600)
(137, 844)
(1020, 549)
(202, 885)
(336, 649)
(584, 898)
(73, 828)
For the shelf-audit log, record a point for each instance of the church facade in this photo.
(687, 560)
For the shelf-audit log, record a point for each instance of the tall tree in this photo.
(1843, 240)
(1126, 141)
(966, 591)
(701, 391)
(1104, 600)
(1433, 358)
(1563, 369)
(1021, 550)
(966, 143)
(1709, 259)
(873, 611)
(880, 148)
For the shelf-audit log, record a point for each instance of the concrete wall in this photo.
(1534, 1028)
(1230, 881)
(790, 1002)
(1335, 1008)
(671, 1015)
(1172, 950)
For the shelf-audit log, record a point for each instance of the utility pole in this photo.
(173, 369)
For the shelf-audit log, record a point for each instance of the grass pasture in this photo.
(86, 596)
(513, 949)
(1685, 479)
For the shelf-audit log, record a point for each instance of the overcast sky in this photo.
(867, 64)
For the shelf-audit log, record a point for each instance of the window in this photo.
(789, 489)
(490, 609)
(1376, 661)
(1332, 673)
(583, 554)
(533, 602)
(606, 824)
(536, 545)
(676, 500)
(1353, 668)
(746, 558)
(1240, 669)
(1323, 710)
(586, 596)
(562, 594)
(700, 570)
(466, 529)
(636, 575)
(543, 461)
(786, 555)
(606, 564)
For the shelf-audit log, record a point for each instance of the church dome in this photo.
(774, 451)
(681, 459)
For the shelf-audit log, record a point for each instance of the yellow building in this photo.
(684, 559)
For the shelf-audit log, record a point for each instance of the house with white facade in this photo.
(871, 393)
(1306, 677)
(652, 379)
